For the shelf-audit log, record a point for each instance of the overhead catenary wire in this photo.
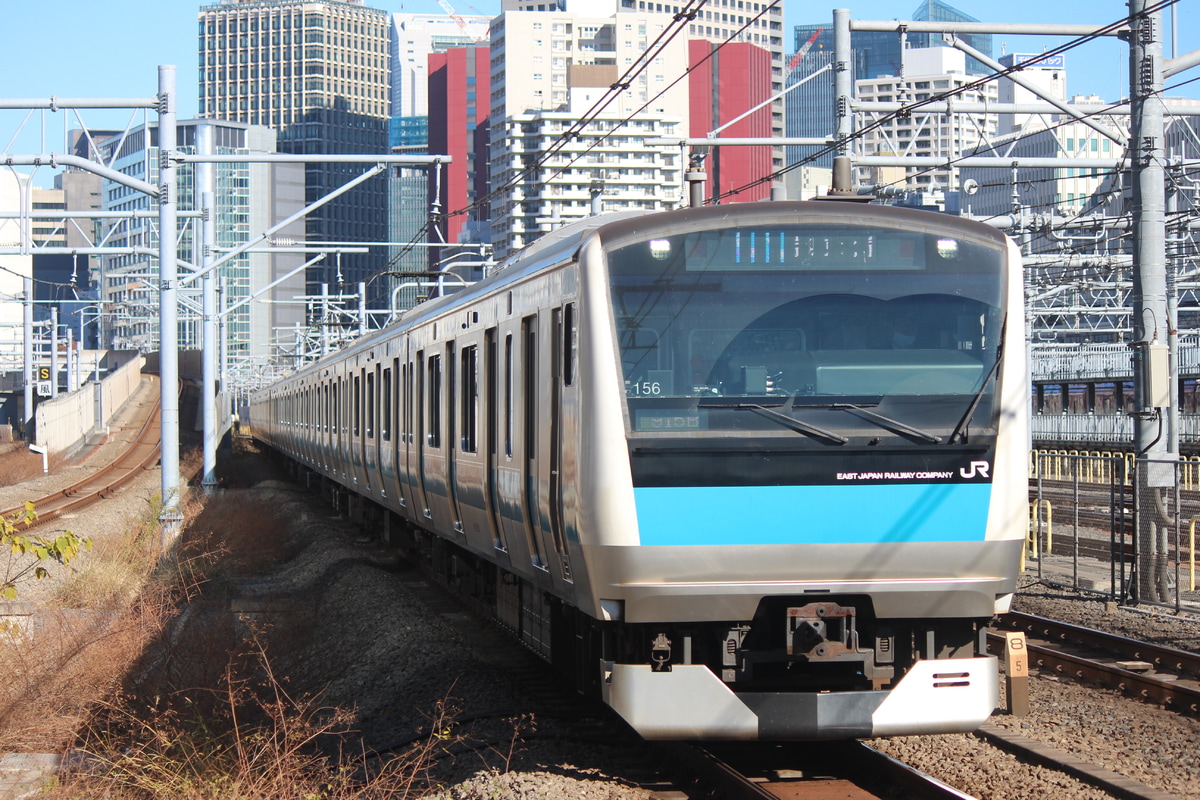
(909, 108)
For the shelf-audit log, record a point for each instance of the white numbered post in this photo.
(1016, 674)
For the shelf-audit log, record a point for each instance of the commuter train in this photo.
(752, 471)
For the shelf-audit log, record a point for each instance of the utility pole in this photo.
(170, 517)
(1151, 321)
(209, 350)
(27, 353)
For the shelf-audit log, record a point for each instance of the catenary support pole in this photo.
(168, 327)
(843, 90)
(205, 186)
(54, 365)
(27, 355)
(1150, 318)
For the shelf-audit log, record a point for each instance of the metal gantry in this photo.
(167, 276)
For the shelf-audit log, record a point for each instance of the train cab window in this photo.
(434, 383)
(469, 398)
(385, 415)
(820, 320)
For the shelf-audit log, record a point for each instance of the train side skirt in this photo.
(690, 702)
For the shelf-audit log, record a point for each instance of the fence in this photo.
(64, 421)
(1119, 527)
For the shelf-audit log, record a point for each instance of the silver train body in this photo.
(752, 471)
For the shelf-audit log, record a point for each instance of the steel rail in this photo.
(1181, 695)
(804, 771)
(1171, 660)
(141, 454)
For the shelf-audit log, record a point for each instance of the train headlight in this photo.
(947, 248)
(660, 248)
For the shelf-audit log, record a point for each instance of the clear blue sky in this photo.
(72, 48)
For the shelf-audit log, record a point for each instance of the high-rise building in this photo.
(317, 72)
(725, 82)
(459, 94)
(563, 65)
(927, 72)
(1047, 73)
(412, 38)
(250, 197)
(1046, 190)
(874, 54)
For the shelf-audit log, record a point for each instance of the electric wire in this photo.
(909, 108)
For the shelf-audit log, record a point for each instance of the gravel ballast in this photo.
(360, 634)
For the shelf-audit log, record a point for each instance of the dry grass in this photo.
(18, 463)
(167, 694)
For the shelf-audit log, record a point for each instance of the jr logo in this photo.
(977, 468)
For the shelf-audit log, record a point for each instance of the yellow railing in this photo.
(1032, 538)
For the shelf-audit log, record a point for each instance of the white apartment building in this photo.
(1046, 190)
(412, 37)
(561, 66)
(927, 72)
(717, 21)
(1047, 73)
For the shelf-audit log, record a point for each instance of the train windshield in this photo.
(850, 330)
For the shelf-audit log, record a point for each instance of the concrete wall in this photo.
(65, 421)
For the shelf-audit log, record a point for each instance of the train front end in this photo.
(803, 483)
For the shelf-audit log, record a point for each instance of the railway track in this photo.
(846, 770)
(141, 454)
(1137, 669)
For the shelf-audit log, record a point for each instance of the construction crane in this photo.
(449, 9)
(796, 59)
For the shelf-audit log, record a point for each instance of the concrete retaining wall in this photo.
(67, 420)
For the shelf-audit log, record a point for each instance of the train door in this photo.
(371, 428)
(424, 428)
(554, 434)
(404, 441)
(393, 432)
(493, 430)
(530, 389)
(355, 440)
(384, 451)
(448, 449)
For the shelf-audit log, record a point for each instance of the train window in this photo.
(469, 398)
(357, 408)
(370, 403)
(385, 416)
(571, 345)
(530, 387)
(508, 395)
(1052, 399)
(1077, 399)
(435, 401)
(337, 410)
(1189, 395)
(489, 347)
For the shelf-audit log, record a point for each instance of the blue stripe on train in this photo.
(862, 514)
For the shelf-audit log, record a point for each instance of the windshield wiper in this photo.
(790, 422)
(960, 430)
(894, 425)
